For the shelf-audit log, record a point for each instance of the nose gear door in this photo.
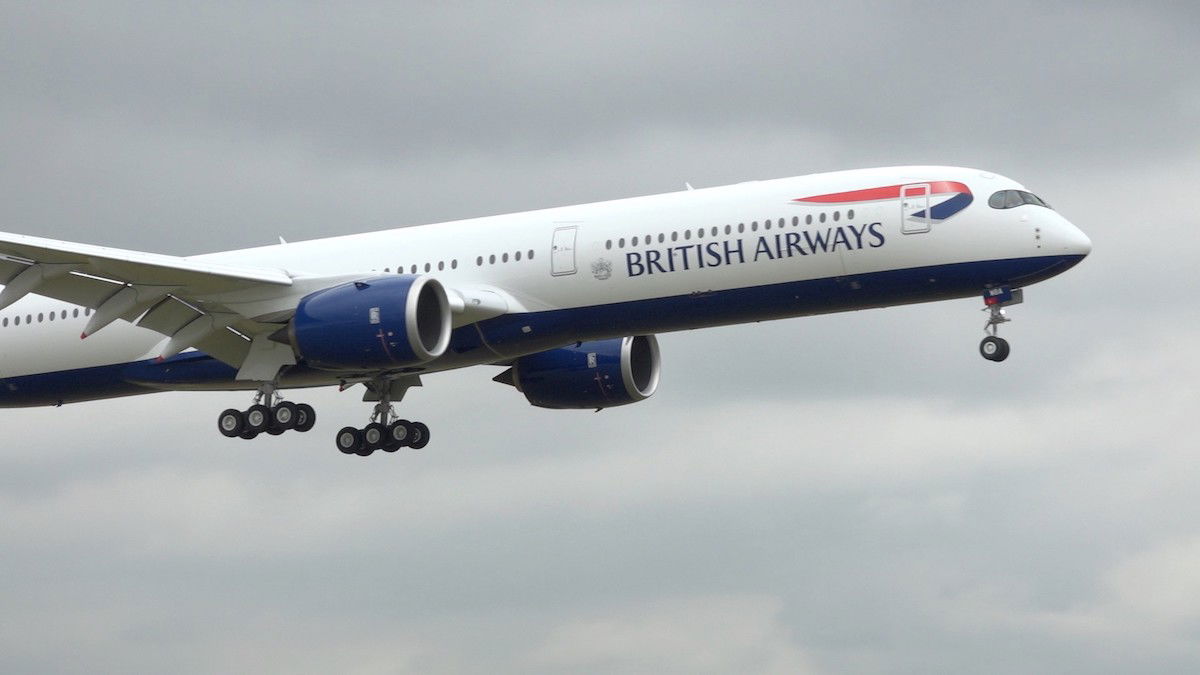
(914, 208)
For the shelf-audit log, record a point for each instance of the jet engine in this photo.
(377, 323)
(597, 374)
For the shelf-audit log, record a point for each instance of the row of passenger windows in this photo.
(699, 233)
(504, 257)
(441, 265)
(429, 267)
(44, 316)
(1008, 199)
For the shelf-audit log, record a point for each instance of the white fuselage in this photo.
(734, 253)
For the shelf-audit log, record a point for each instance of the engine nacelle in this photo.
(377, 323)
(598, 374)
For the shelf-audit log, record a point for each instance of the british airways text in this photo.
(770, 247)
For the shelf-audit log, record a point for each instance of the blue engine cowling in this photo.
(597, 374)
(377, 323)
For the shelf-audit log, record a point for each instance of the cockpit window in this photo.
(1007, 199)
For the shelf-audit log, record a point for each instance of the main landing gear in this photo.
(386, 432)
(994, 347)
(270, 414)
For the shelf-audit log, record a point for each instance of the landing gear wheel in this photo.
(284, 415)
(274, 430)
(399, 435)
(374, 436)
(231, 423)
(258, 418)
(306, 417)
(994, 348)
(420, 436)
(248, 434)
(349, 440)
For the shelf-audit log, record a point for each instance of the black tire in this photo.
(306, 417)
(231, 423)
(248, 434)
(420, 436)
(994, 348)
(374, 436)
(284, 416)
(274, 430)
(348, 440)
(399, 434)
(258, 418)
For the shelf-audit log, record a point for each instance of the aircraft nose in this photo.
(1070, 239)
(1078, 243)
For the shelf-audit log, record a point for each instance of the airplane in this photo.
(567, 300)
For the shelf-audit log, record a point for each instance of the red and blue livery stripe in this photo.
(960, 197)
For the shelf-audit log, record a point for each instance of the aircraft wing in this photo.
(228, 312)
(193, 304)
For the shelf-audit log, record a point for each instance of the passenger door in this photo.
(562, 250)
(914, 208)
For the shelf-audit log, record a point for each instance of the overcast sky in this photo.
(851, 493)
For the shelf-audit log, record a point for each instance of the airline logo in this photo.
(953, 196)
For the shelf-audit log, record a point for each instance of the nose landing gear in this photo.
(270, 414)
(993, 347)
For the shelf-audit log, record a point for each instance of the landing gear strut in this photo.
(269, 413)
(993, 347)
(386, 430)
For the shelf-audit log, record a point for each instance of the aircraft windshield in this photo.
(1007, 199)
